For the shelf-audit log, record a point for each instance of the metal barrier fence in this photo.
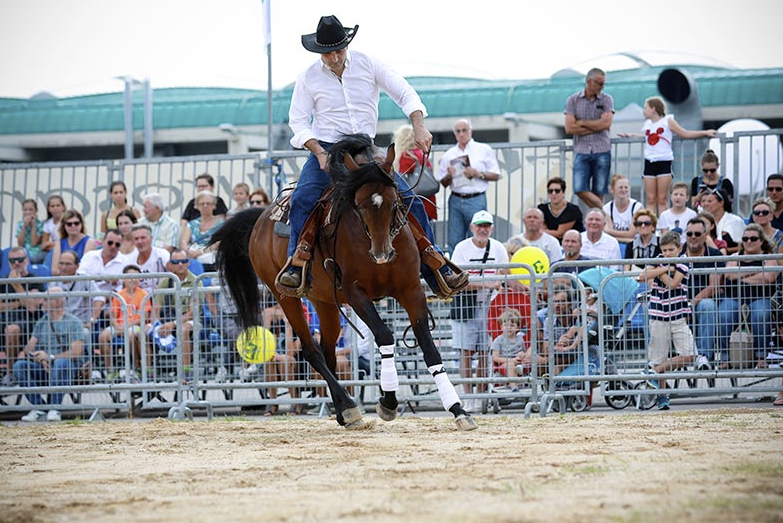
(525, 168)
(570, 333)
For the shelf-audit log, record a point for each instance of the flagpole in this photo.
(266, 5)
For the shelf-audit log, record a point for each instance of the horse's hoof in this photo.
(465, 422)
(351, 415)
(384, 413)
(362, 424)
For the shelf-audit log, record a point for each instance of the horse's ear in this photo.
(388, 165)
(350, 162)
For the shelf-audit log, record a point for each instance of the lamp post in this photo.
(130, 84)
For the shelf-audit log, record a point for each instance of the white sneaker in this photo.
(221, 376)
(702, 362)
(34, 415)
(54, 415)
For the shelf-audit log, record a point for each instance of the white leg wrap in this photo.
(448, 394)
(389, 380)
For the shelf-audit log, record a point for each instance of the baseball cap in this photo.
(482, 217)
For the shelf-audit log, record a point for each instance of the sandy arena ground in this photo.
(710, 466)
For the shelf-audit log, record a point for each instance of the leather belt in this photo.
(466, 196)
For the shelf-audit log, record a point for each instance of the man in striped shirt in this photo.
(669, 311)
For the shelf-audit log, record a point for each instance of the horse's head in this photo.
(367, 185)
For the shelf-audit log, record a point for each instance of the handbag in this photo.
(741, 343)
(463, 305)
(422, 181)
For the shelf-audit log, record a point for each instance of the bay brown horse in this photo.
(367, 253)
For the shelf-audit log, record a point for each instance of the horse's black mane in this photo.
(345, 181)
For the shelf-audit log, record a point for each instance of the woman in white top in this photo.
(620, 210)
(658, 131)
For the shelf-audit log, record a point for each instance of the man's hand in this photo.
(421, 136)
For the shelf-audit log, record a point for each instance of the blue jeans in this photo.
(577, 368)
(313, 181)
(704, 326)
(461, 211)
(759, 320)
(591, 172)
(30, 373)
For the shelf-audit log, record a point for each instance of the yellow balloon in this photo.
(532, 256)
(256, 345)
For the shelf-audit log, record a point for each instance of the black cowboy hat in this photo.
(330, 36)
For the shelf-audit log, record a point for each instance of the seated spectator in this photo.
(198, 232)
(534, 235)
(73, 237)
(620, 210)
(709, 180)
(342, 350)
(241, 197)
(677, 216)
(164, 306)
(729, 226)
(596, 243)
(572, 251)
(55, 208)
(559, 214)
(149, 259)
(775, 193)
(508, 347)
(135, 299)
(712, 231)
(19, 314)
(125, 222)
(513, 294)
(29, 231)
(105, 263)
(165, 230)
(87, 308)
(284, 365)
(204, 183)
(53, 357)
(645, 243)
(751, 289)
(118, 194)
(761, 213)
(259, 198)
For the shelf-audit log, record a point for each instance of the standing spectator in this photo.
(560, 215)
(467, 168)
(588, 116)
(204, 182)
(703, 290)
(29, 231)
(621, 210)
(469, 321)
(19, 314)
(73, 237)
(336, 96)
(712, 231)
(55, 208)
(645, 244)
(675, 218)
(165, 230)
(241, 197)
(53, 357)
(775, 193)
(125, 222)
(197, 234)
(118, 194)
(710, 179)
(751, 289)
(534, 235)
(149, 259)
(669, 310)
(729, 226)
(597, 244)
(658, 131)
(761, 213)
(259, 198)
(408, 160)
(105, 263)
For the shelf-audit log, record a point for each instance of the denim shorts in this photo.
(591, 172)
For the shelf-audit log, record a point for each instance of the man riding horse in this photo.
(337, 96)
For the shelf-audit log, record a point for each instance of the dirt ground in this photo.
(710, 466)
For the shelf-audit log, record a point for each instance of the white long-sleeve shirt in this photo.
(327, 107)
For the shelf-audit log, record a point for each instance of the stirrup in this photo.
(299, 292)
(445, 290)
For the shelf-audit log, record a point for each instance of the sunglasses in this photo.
(705, 171)
(113, 244)
(761, 213)
(694, 233)
(775, 189)
(750, 238)
(72, 224)
(256, 202)
(643, 224)
(17, 260)
(554, 191)
(177, 262)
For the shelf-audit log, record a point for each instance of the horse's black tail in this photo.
(232, 260)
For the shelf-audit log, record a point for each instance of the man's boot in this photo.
(448, 278)
(292, 278)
